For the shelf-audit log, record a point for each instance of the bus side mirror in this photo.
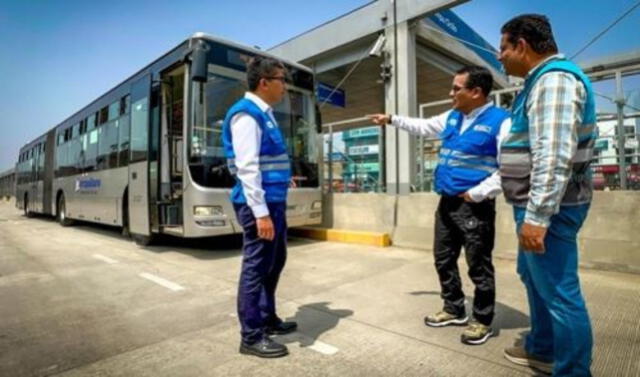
(318, 120)
(199, 62)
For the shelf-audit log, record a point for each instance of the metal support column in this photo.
(330, 158)
(401, 98)
(620, 102)
(421, 159)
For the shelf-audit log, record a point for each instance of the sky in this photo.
(56, 56)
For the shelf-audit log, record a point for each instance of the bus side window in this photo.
(114, 111)
(101, 158)
(124, 105)
(41, 163)
(61, 157)
(123, 141)
(139, 133)
(73, 151)
(108, 150)
(91, 151)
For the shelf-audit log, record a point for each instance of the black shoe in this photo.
(264, 348)
(282, 328)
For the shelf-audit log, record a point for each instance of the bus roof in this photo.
(183, 44)
(6, 172)
(201, 35)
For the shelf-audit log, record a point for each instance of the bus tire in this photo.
(61, 212)
(125, 216)
(141, 240)
(27, 213)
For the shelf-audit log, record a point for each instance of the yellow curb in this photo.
(343, 235)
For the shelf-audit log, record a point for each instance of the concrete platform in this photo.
(84, 301)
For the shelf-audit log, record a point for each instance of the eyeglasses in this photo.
(282, 79)
(457, 88)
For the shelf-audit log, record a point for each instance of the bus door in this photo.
(171, 151)
(139, 158)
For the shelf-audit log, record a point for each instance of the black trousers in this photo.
(471, 225)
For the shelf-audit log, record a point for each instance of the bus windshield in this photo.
(211, 100)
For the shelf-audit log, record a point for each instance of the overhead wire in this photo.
(603, 32)
(593, 40)
(346, 76)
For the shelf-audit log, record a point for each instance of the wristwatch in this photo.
(389, 118)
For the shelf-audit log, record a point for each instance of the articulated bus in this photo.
(147, 155)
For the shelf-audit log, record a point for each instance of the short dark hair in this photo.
(533, 28)
(261, 67)
(477, 77)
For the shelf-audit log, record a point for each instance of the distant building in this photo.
(361, 167)
(606, 162)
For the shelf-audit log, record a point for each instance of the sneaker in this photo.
(518, 355)
(443, 318)
(476, 333)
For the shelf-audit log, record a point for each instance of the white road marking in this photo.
(105, 259)
(163, 282)
(20, 277)
(51, 368)
(323, 348)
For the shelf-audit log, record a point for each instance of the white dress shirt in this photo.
(433, 127)
(247, 135)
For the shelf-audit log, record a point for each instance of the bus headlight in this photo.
(207, 210)
(316, 205)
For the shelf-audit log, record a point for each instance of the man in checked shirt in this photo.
(545, 173)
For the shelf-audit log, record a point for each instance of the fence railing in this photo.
(616, 161)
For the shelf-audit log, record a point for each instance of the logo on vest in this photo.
(270, 124)
(482, 128)
(471, 223)
(453, 122)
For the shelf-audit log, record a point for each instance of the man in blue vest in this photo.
(544, 165)
(257, 155)
(467, 180)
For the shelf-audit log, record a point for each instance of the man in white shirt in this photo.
(257, 155)
(467, 180)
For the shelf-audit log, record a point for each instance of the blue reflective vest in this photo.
(275, 166)
(515, 152)
(469, 158)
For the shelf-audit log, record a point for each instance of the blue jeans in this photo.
(560, 325)
(262, 263)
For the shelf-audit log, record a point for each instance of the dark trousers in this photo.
(471, 225)
(262, 263)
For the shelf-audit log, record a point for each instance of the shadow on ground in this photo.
(313, 320)
(207, 248)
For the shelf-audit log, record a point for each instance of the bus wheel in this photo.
(27, 213)
(125, 220)
(125, 231)
(62, 213)
(141, 240)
